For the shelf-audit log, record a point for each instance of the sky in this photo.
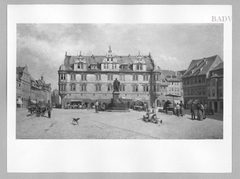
(173, 46)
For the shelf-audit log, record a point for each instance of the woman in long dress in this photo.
(199, 113)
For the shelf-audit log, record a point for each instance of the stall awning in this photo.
(74, 100)
(196, 101)
(87, 100)
(19, 101)
(33, 101)
(176, 101)
(190, 101)
(104, 100)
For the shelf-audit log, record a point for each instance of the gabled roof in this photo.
(218, 67)
(69, 60)
(182, 72)
(173, 80)
(202, 66)
(20, 69)
(167, 72)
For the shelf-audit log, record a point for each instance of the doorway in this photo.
(215, 107)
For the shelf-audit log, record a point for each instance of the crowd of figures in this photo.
(177, 109)
(40, 109)
(198, 111)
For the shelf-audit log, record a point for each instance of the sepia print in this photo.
(119, 81)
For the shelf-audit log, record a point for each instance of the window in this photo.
(213, 92)
(135, 77)
(158, 87)
(114, 66)
(98, 77)
(191, 91)
(220, 82)
(188, 91)
(105, 66)
(98, 87)
(73, 87)
(122, 77)
(139, 66)
(62, 76)
(195, 79)
(122, 87)
(199, 91)
(213, 82)
(124, 67)
(62, 87)
(203, 91)
(154, 88)
(135, 88)
(83, 87)
(203, 79)
(80, 65)
(209, 93)
(199, 79)
(145, 77)
(109, 87)
(145, 88)
(187, 81)
(110, 77)
(221, 92)
(73, 77)
(84, 77)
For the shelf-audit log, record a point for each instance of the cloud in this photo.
(173, 46)
(168, 62)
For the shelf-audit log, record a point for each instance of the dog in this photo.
(75, 120)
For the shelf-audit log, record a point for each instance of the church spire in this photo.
(110, 50)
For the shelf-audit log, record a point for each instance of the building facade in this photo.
(29, 90)
(23, 86)
(56, 99)
(195, 79)
(85, 79)
(215, 89)
(40, 91)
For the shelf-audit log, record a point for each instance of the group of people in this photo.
(201, 111)
(180, 109)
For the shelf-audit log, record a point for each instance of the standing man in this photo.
(178, 109)
(96, 106)
(206, 110)
(192, 111)
(181, 109)
(49, 108)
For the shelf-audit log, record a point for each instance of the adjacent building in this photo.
(23, 86)
(195, 79)
(56, 99)
(84, 79)
(30, 90)
(215, 89)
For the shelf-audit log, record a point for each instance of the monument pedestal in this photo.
(116, 105)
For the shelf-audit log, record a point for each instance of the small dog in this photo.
(75, 120)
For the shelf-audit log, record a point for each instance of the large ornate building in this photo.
(84, 79)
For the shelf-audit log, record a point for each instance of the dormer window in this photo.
(139, 66)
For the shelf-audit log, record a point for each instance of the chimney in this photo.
(66, 53)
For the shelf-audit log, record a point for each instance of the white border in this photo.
(118, 155)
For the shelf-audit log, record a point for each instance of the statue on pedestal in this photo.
(116, 85)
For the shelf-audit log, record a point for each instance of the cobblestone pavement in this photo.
(114, 125)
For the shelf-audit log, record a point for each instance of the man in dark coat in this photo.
(192, 111)
(49, 108)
